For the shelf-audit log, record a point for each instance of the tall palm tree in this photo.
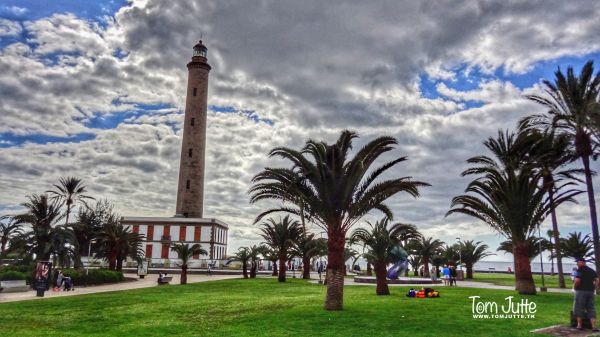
(551, 153)
(69, 191)
(472, 252)
(573, 104)
(382, 249)
(507, 196)
(281, 235)
(335, 191)
(426, 248)
(552, 250)
(8, 229)
(90, 222)
(306, 247)
(415, 260)
(243, 255)
(577, 247)
(42, 214)
(184, 253)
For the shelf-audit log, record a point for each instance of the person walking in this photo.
(453, 275)
(585, 285)
(446, 275)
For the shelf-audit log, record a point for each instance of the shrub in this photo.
(12, 276)
(20, 268)
(96, 276)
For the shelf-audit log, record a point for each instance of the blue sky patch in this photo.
(23, 10)
(8, 139)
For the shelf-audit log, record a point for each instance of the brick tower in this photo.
(190, 192)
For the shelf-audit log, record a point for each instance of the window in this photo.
(195, 91)
(164, 254)
(187, 185)
(192, 122)
(190, 153)
(150, 234)
(149, 250)
(181, 233)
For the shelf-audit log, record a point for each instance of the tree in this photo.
(270, 255)
(254, 252)
(90, 222)
(405, 233)
(184, 253)
(281, 235)
(8, 229)
(507, 196)
(334, 190)
(415, 261)
(117, 242)
(535, 246)
(382, 249)
(41, 214)
(572, 103)
(350, 254)
(472, 252)
(69, 191)
(306, 247)
(243, 255)
(551, 153)
(577, 247)
(426, 248)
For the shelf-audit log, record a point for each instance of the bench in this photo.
(14, 286)
(164, 280)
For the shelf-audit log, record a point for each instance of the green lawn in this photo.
(264, 307)
(509, 279)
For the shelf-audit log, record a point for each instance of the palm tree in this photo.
(90, 222)
(535, 246)
(405, 233)
(270, 255)
(254, 252)
(335, 192)
(577, 247)
(350, 254)
(118, 242)
(426, 248)
(506, 196)
(472, 252)
(281, 235)
(41, 214)
(573, 106)
(552, 250)
(306, 247)
(382, 249)
(69, 191)
(243, 255)
(551, 153)
(184, 253)
(415, 261)
(8, 230)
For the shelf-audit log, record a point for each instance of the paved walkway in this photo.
(147, 282)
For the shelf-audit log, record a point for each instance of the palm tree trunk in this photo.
(561, 277)
(592, 204)
(112, 261)
(245, 269)
(335, 270)
(426, 267)
(253, 266)
(281, 276)
(68, 213)
(416, 272)
(3, 243)
(523, 276)
(306, 270)
(469, 267)
(184, 269)
(380, 275)
(120, 263)
(369, 269)
(274, 268)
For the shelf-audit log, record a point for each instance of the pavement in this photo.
(147, 282)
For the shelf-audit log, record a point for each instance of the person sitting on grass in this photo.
(585, 284)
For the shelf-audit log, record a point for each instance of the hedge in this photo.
(11, 275)
(96, 276)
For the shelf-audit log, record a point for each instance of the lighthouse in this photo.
(190, 191)
(188, 226)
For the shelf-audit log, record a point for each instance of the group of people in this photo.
(449, 275)
(63, 282)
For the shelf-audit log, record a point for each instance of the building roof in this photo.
(173, 220)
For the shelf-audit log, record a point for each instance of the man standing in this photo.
(585, 285)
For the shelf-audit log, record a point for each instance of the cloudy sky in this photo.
(95, 89)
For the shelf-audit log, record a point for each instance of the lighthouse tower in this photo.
(190, 192)
(188, 226)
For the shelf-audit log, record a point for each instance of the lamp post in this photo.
(543, 288)
(87, 269)
(319, 269)
(459, 253)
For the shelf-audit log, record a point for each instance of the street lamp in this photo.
(459, 253)
(87, 269)
(319, 269)
(543, 288)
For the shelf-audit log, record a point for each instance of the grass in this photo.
(264, 307)
(509, 279)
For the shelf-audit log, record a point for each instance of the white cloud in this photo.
(9, 28)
